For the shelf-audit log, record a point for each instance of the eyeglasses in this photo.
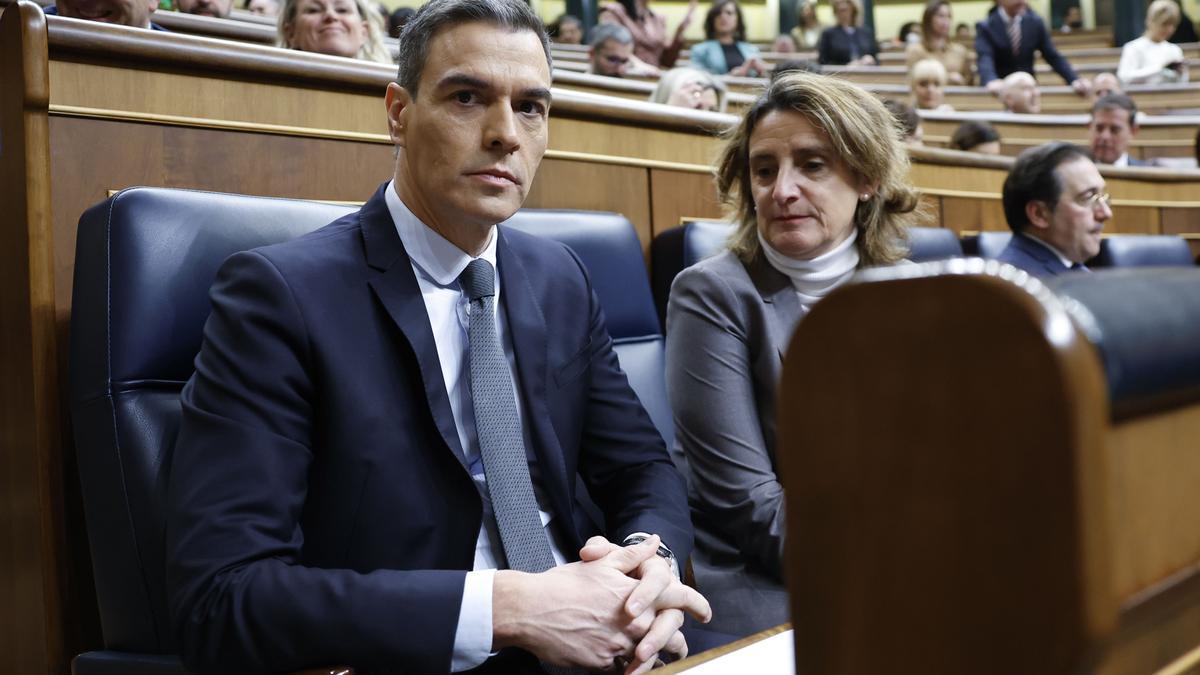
(1095, 200)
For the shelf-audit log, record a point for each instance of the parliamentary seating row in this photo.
(1171, 136)
(129, 363)
(88, 109)
(1006, 485)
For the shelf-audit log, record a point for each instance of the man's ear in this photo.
(1038, 214)
(398, 102)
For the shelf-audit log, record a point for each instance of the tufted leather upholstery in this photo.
(986, 244)
(1137, 250)
(1146, 324)
(145, 259)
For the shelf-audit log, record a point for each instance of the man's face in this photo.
(611, 58)
(1013, 7)
(1073, 225)
(471, 141)
(1110, 132)
(217, 8)
(134, 13)
(1021, 95)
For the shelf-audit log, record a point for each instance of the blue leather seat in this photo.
(1143, 250)
(145, 259)
(933, 243)
(681, 247)
(986, 244)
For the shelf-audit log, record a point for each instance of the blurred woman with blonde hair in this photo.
(349, 28)
(1152, 59)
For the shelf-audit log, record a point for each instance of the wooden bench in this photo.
(1158, 136)
(987, 475)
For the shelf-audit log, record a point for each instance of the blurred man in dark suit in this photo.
(1006, 41)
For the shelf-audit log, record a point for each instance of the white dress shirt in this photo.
(437, 264)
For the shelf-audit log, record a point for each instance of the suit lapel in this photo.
(395, 284)
(528, 330)
(1043, 255)
(783, 306)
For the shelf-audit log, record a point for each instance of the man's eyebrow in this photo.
(463, 80)
(540, 93)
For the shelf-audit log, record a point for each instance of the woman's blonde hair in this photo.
(926, 69)
(1162, 11)
(856, 19)
(862, 133)
(373, 48)
(677, 77)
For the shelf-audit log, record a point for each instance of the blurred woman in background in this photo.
(726, 50)
(847, 43)
(349, 28)
(936, 44)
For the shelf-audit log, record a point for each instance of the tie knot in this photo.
(478, 280)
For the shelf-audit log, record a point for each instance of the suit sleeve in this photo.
(623, 460)
(710, 382)
(241, 599)
(870, 44)
(1049, 52)
(825, 48)
(985, 59)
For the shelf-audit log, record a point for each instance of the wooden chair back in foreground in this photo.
(986, 474)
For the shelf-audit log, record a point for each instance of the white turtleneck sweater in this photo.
(814, 279)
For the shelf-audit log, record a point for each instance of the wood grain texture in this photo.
(928, 530)
(32, 619)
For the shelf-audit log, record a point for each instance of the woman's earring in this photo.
(864, 196)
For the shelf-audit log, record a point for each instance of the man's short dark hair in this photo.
(1034, 178)
(516, 15)
(973, 133)
(1116, 101)
(795, 66)
(905, 115)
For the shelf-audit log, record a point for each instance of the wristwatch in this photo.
(663, 552)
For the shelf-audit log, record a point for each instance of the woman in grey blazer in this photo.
(816, 175)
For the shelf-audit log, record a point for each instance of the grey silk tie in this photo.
(501, 444)
(1014, 34)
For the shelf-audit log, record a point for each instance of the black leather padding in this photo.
(926, 244)
(145, 260)
(986, 244)
(678, 248)
(1146, 324)
(1143, 250)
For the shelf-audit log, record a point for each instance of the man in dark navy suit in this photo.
(1112, 128)
(1006, 41)
(380, 447)
(1055, 203)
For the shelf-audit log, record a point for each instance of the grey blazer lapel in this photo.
(783, 305)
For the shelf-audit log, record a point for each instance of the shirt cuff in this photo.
(473, 636)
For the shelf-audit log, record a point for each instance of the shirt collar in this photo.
(1067, 262)
(440, 260)
(1009, 19)
(1123, 160)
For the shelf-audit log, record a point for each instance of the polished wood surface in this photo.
(713, 654)
(35, 631)
(961, 497)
